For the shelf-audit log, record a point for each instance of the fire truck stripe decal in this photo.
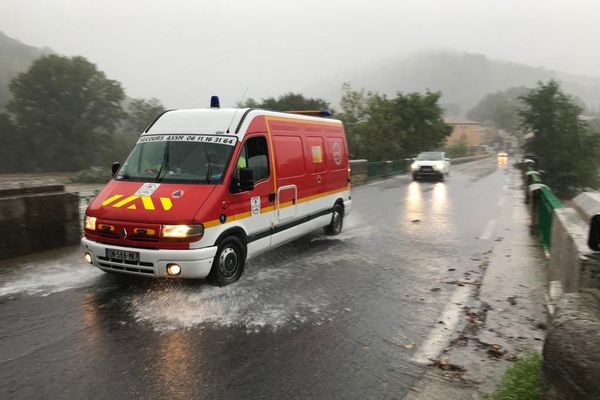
(111, 199)
(125, 201)
(291, 224)
(148, 204)
(237, 217)
(166, 203)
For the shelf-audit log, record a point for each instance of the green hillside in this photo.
(15, 57)
(463, 78)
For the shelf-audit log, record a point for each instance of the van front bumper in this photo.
(194, 263)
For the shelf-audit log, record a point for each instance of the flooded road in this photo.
(320, 318)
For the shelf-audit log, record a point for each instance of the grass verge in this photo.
(521, 381)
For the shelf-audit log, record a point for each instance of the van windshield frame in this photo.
(179, 158)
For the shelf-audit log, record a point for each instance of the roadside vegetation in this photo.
(66, 115)
(567, 147)
(521, 381)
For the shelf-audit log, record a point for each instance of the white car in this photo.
(430, 164)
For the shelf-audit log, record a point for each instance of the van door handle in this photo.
(271, 197)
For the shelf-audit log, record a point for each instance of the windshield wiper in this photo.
(165, 165)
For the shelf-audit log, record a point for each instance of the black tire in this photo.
(337, 221)
(415, 177)
(229, 262)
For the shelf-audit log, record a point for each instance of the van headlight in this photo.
(90, 223)
(182, 233)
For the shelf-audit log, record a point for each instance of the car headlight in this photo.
(435, 167)
(182, 233)
(414, 166)
(90, 223)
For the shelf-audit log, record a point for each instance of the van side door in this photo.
(254, 209)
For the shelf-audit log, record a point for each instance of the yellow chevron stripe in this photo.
(166, 202)
(111, 199)
(148, 204)
(125, 201)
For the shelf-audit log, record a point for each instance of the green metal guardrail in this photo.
(398, 166)
(376, 169)
(380, 169)
(545, 204)
(548, 202)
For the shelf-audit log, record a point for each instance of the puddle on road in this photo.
(264, 300)
(44, 278)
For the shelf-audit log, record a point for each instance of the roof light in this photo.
(314, 113)
(214, 102)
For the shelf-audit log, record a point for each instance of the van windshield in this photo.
(178, 158)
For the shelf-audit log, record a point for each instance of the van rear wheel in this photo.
(337, 221)
(229, 261)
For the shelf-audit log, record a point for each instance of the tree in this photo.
(569, 151)
(13, 147)
(288, 102)
(379, 128)
(460, 149)
(141, 113)
(501, 109)
(67, 107)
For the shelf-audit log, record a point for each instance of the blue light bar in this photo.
(214, 102)
(313, 113)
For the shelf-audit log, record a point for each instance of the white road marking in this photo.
(439, 337)
(375, 183)
(500, 201)
(489, 230)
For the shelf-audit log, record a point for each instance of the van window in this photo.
(289, 156)
(254, 155)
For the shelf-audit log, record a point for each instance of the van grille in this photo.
(117, 264)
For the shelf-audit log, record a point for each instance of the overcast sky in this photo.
(182, 51)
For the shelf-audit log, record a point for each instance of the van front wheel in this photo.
(229, 261)
(337, 221)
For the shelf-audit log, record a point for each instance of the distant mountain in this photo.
(15, 57)
(463, 78)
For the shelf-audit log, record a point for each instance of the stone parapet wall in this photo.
(572, 263)
(359, 171)
(37, 217)
(571, 355)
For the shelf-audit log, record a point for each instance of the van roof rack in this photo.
(313, 113)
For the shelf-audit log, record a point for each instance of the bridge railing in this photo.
(382, 169)
(542, 203)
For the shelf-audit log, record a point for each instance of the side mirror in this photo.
(115, 167)
(246, 179)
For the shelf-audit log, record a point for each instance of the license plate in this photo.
(123, 255)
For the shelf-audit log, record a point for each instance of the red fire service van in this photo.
(203, 190)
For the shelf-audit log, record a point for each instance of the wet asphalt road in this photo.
(320, 318)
